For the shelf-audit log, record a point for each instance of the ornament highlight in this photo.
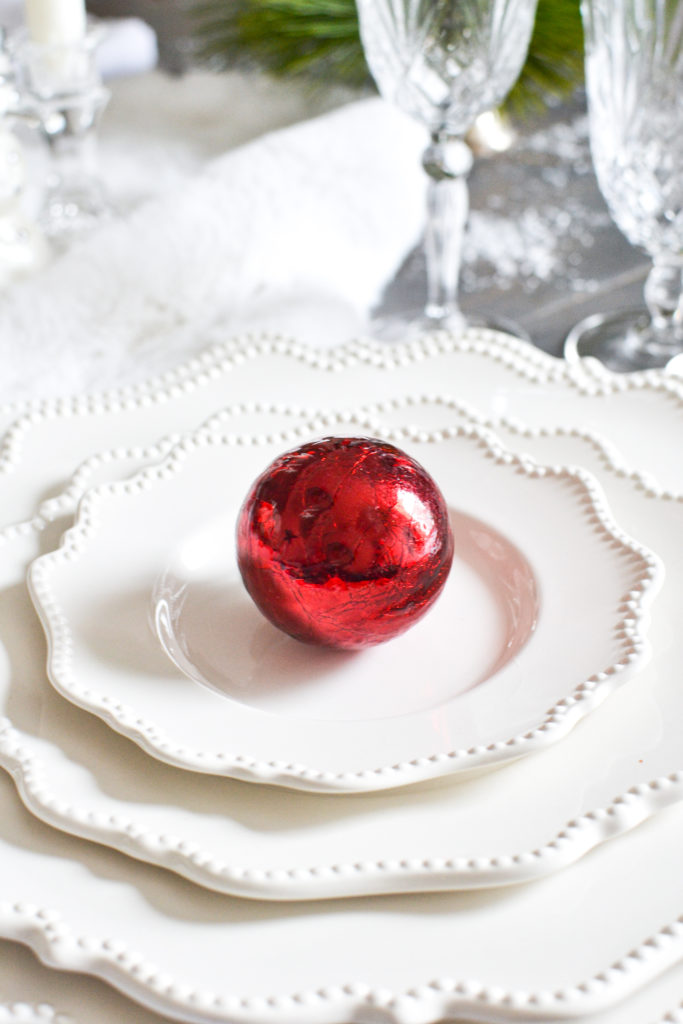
(344, 542)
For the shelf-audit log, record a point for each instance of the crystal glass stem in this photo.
(447, 160)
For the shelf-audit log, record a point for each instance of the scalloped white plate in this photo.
(313, 719)
(81, 777)
(600, 902)
(495, 374)
(212, 959)
(34, 994)
(641, 719)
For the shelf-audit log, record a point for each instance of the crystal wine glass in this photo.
(634, 80)
(445, 62)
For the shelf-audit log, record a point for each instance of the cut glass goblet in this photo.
(444, 62)
(634, 81)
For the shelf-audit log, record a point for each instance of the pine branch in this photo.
(319, 40)
(286, 38)
(554, 64)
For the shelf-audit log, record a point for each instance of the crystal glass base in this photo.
(410, 325)
(623, 342)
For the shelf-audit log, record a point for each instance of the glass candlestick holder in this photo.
(22, 245)
(63, 98)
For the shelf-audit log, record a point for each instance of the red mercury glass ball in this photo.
(344, 542)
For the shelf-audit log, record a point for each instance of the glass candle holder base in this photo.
(624, 342)
(72, 211)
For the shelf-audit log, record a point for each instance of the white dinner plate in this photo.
(529, 635)
(81, 777)
(484, 834)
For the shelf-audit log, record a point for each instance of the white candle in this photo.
(55, 22)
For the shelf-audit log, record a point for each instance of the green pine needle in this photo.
(287, 38)
(554, 64)
(319, 40)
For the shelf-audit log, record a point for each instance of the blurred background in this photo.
(541, 249)
(193, 82)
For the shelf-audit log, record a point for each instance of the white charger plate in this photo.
(491, 688)
(493, 373)
(34, 994)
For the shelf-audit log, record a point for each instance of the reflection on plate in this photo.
(92, 595)
(207, 625)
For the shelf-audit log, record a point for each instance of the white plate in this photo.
(62, 898)
(501, 828)
(31, 993)
(84, 790)
(493, 373)
(206, 624)
(34, 994)
(313, 719)
(520, 956)
(589, 764)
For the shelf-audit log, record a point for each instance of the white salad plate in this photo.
(489, 372)
(529, 635)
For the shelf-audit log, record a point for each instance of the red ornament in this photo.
(344, 542)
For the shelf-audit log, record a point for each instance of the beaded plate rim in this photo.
(222, 356)
(577, 838)
(111, 960)
(29, 1012)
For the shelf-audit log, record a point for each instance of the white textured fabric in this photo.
(296, 231)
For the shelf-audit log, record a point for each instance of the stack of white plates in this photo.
(462, 823)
